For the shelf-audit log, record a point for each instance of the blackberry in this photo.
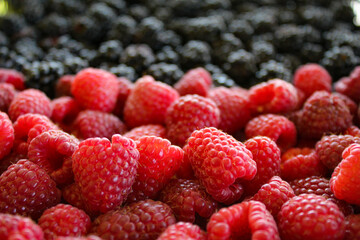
(138, 12)
(185, 8)
(165, 72)
(12, 23)
(123, 70)
(73, 65)
(65, 41)
(56, 54)
(167, 37)
(342, 11)
(163, 13)
(54, 25)
(291, 61)
(195, 53)
(102, 14)
(311, 34)
(123, 28)
(343, 37)
(10, 59)
(66, 7)
(219, 77)
(289, 38)
(263, 51)
(287, 17)
(167, 54)
(138, 56)
(215, 4)
(263, 20)
(28, 48)
(118, 5)
(227, 15)
(241, 29)
(4, 41)
(318, 17)
(109, 51)
(224, 45)
(88, 54)
(33, 11)
(266, 37)
(148, 31)
(87, 29)
(272, 69)
(311, 52)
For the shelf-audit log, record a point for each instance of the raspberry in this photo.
(246, 220)
(183, 230)
(30, 101)
(52, 151)
(63, 85)
(195, 81)
(352, 106)
(146, 130)
(91, 237)
(234, 109)
(13, 77)
(219, 162)
(242, 91)
(330, 148)
(273, 96)
(7, 135)
(64, 220)
(90, 124)
(312, 217)
(105, 171)
(125, 87)
(276, 127)
(188, 199)
(352, 227)
(323, 113)
(301, 163)
(95, 89)
(17, 227)
(353, 131)
(26, 189)
(142, 220)
(158, 162)
(274, 194)
(65, 110)
(345, 179)
(266, 154)
(189, 113)
(19, 151)
(350, 86)
(312, 77)
(7, 94)
(185, 170)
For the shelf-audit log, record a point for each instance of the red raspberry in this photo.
(64, 220)
(19, 151)
(7, 135)
(105, 171)
(276, 127)
(189, 113)
(323, 113)
(219, 162)
(195, 81)
(125, 88)
(353, 131)
(352, 227)
(63, 85)
(144, 220)
(26, 189)
(185, 170)
(312, 217)
(17, 227)
(158, 163)
(91, 237)
(266, 154)
(90, 124)
(65, 110)
(312, 77)
(72, 195)
(95, 89)
(330, 148)
(181, 231)
(352, 106)
(146, 130)
(7, 94)
(52, 151)
(30, 101)
(274, 194)
(273, 96)
(188, 199)
(301, 163)
(13, 77)
(246, 220)
(242, 91)
(345, 179)
(350, 86)
(234, 109)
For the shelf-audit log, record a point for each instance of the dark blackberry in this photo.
(318, 17)
(88, 55)
(342, 11)
(87, 29)
(215, 4)
(66, 7)
(224, 45)
(287, 16)
(54, 25)
(291, 61)
(227, 15)
(167, 54)
(163, 13)
(73, 65)
(108, 51)
(263, 51)
(311, 52)
(343, 37)
(102, 14)
(123, 70)
(12, 23)
(195, 53)
(4, 41)
(65, 41)
(219, 77)
(29, 49)
(58, 54)
(262, 20)
(10, 59)
(138, 12)
(289, 38)
(266, 37)
(167, 37)
(311, 34)
(138, 56)
(33, 11)
(272, 69)
(185, 8)
(149, 31)
(118, 5)
(241, 29)
(165, 72)
(123, 28)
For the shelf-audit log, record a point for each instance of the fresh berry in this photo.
(146, 130)
(105, 171)
(19, 151)
(349, 86)
(65, 110)
(185, 170)
(189, 113)
(26, 189)
(7, 135)
(13, 77)
(353, 131)
(90, 237)
(7, 94)
(125, 87)
(63, 85)
(64, 220)
(246, 220)
(219, 162)
(352, 106)
(183, 230)
(195, 81)
(95, 89)
(312, 217)
(352, 227)
(17, 227)
(148, 102)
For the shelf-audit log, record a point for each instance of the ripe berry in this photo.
(125, 88)
(183, 230)
(195, 81)
(65, 110)
(350, 86)
(7, 94)
(13, 77)
(63, 85)
(146, 130)
(352, 227)
(7, 135)
(17, 227)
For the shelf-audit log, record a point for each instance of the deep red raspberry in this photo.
(323, 113)
(246, 220)
(158, 163)
(72, 195)
(312, 217)
(195, 81)
(95, 89)
(274, 194)
(352, 106)
(13, 77)
(125, 87)
(234, 109)
(30, 101)
(26, 189)
(312, 77)
(185, 171)
(267, 156)
(352, 227)
(189, 113)
(7, 135)
(65, 110)
(350, 86)
(148, 102)
(90, 237)
(220, 162)
(144, 220)
(353, 131)
(19, 151)
(63, 85)
(7, 94)
(330, 148)
(146, 130)
(273, 96)
(90, 124)
(16, 227)
(242, 91)
(188, 199)
(276, 127)
(105, 171)
(183, 230)
(345, 179)
(64, 220)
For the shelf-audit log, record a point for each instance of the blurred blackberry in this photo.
(311, 34)
(287, 16)
(65, 41)
(88, 55)
(123, 70)
(102, 14)
(195, 53)
(242, 6)
(185, 8)
(4, 41)
(215, 4)
(54, 25)
(219, 77)
(291, 61)
(167, 37)
(12, 23)
(224, 45)
(262, 20)
(118, 5)
(138, 12)
(33, 10)
(272, 69)
(138, 56)
(242, 29)
(311, 52)
(212, 69)
(58, 54)
(342, 11)
(343, 37)
(154, 4)
(66, 7)
(165, 72)
(266, 37)
(122, 28)
(289, 38)
(74, 65)
(263, 51)
(29, 49)
(87, 29)
(108, 51)
(168, 55)
(318, 17)
(227, 15)
(10, 59)
(148, 31)
(163, 13)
